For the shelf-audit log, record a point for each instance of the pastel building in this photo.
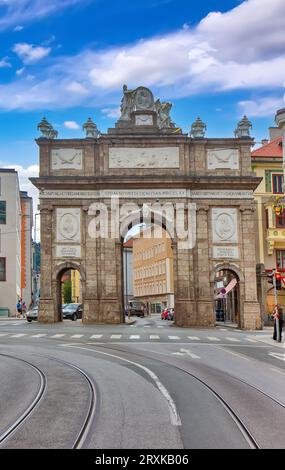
(153, 269)
(10, 242)
(267, 164)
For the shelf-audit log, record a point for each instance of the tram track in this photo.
(4, 435)
(84, 427)
(252, 441)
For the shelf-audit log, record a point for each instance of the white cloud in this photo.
(4, 63)
(112, 113)
(75, 87)
(29, 53)
(71, 125)
(20, 71)
(262, 107)
(18, 28)
(236, 50)
(15, 12)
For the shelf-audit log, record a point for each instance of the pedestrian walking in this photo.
(19, 308)
(24, 309)
(278, 323)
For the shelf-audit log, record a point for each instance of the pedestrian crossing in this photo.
(135, 337)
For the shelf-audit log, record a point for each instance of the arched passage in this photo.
(69, 299)
(226, 287)
(148, 265)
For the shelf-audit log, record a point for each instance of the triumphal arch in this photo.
(94, 188)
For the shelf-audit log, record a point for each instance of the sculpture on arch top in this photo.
(141, 99)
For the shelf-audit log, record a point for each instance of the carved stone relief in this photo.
(66, 159)
(224, 223)
(147, 157)
(68, 225)
(223, 158)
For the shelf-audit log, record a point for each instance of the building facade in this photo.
(10, 242)
(145, 162)
(153, 270)
(267, 163)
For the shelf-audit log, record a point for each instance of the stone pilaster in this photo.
(251, 318)
(47, 313)
(205, 313)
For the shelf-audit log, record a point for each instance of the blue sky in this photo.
(68, 60)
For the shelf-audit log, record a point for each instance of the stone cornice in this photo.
(147, 182)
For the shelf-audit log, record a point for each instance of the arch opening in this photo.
(227, 303)
(148, 270)
(69, 296)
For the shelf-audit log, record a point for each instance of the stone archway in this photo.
(160, 286)
(57, 283)
(146, 158)
(229, 308)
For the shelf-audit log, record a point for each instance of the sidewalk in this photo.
(267, 338)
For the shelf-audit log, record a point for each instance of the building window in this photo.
(280, 220)
(2, 212)
(2, 269)
(280, 259)
(277, 184)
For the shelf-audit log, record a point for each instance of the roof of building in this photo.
(273, 149)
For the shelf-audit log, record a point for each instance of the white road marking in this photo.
(174, 337)
(154, 337)
(4, 334)
(39, 335)
(96, 336)
(19, 335)
(58, 335)
(234, 340)
(160, 326)
(146, 326)
(279, 356)
(174, 416)
(135, 337)
(213, 338)
(233, 353)
(189, 353)
(277, 370)
(115, 336)
(194, 338)
(251, 340)
(76, 336)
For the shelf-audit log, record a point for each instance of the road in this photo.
(149, 385)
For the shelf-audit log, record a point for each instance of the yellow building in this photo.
(267, 163)
(153, 269)
(75, 286)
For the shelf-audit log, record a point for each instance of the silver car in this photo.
(33, 314)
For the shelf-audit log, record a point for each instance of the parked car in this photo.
(137, 308)
(72, 311)
(33, 313)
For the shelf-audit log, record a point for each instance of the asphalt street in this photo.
(149, 385)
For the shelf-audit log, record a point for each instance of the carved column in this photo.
(251, 319)
(205, 312)
(184, 295)
(47, 312)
